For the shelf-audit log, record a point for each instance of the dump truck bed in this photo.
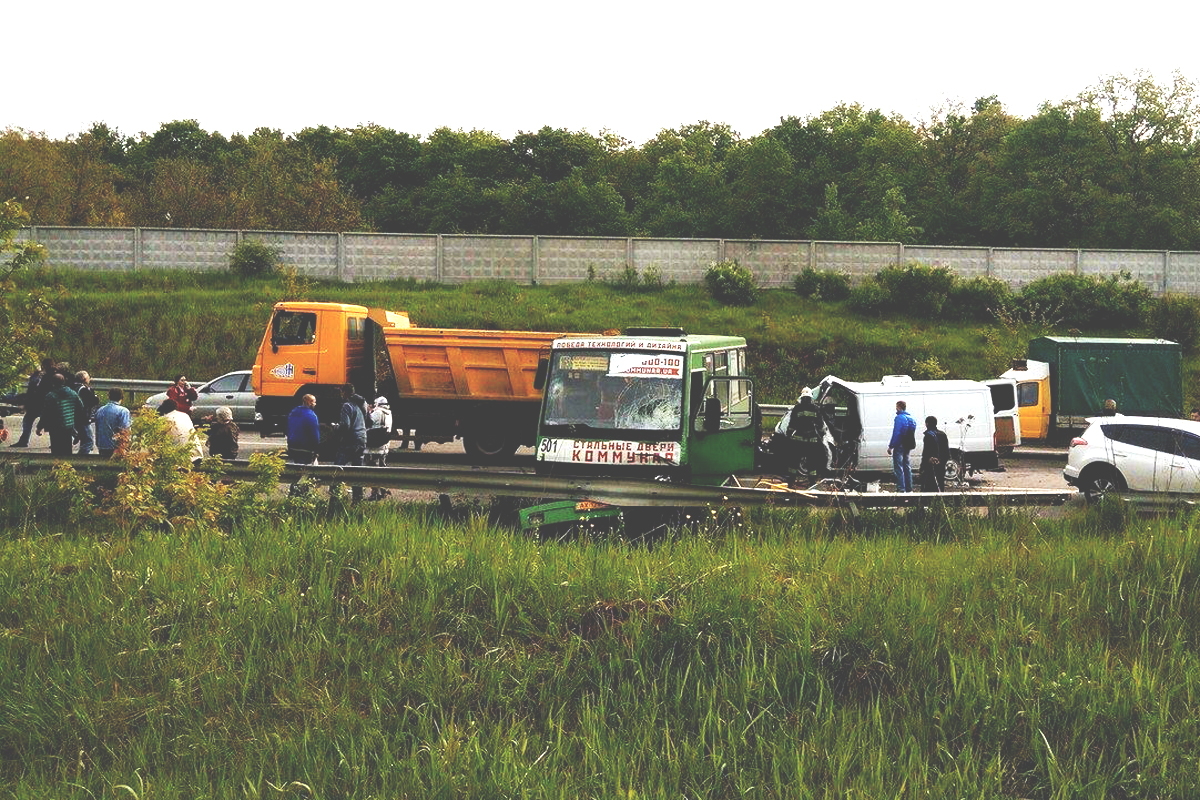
(433, 363)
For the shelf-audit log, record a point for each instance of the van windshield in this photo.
(615, 390)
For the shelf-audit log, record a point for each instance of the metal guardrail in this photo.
(616, 491)
(148, 387)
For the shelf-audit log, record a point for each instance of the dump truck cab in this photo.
(314, 348)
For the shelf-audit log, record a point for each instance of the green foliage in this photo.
(928, 369)
(629, 280)
(870, 299)
(822, 284)
(919, 289)
(158, 488)
(252, 258)
(977, 299)
(26, 316)
(1116, 303)
(1175, 317)
(730, 283)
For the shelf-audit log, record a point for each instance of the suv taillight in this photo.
(1079, 441)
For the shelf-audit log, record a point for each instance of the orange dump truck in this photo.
(442, 383)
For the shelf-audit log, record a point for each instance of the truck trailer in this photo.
(1066, 379)
(442, 383)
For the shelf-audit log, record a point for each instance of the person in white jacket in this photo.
(381, 419)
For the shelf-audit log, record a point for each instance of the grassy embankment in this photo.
(794, 655)
(155, 325)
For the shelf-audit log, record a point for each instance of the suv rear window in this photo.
(1147, 436)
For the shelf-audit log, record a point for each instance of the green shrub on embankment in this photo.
(398, 654)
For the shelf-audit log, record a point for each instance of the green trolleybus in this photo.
(652, 403)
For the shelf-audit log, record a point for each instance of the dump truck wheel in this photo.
(488, 446)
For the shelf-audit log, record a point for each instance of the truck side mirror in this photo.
(712, 415)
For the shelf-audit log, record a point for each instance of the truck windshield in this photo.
(615, 390)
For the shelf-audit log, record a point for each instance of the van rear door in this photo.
(1006, 412)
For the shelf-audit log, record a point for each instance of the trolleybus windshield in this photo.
(616, 390)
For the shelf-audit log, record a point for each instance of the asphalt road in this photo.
(1028, 468)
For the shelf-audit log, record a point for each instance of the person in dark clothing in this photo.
(61, 408)
(935, 454)
(35, 392)
(352, 434)
(806, 429)
(223, 435)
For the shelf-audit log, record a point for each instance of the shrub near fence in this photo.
(356, 257)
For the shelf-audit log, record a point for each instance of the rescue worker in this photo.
(805, 431)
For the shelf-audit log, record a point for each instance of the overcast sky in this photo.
(633, 67)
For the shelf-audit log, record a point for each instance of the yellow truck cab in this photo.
(1033, 397)
(315, 347)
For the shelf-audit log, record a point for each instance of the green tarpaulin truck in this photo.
(1066, 379)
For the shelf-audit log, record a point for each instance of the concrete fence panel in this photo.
(775, 264)
(314, 255)
(965, 262)
(679, 260)
(383, 256)
(1018, 267)
(858, 259)
(1183, 273)
(1147, 267)
(100, 249)
(569, 259)
(472, 258)
(198, 250)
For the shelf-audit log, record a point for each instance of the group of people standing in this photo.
(360, 436)
(64, 405)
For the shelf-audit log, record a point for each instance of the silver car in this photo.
(231, 389)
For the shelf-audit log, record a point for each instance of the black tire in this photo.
(488, 446)
(1099, 480)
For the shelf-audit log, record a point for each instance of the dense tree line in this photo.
(1117, 167)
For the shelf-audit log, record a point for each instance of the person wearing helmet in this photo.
(800, 435)
(378, 438)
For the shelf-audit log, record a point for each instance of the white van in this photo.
(979, 419)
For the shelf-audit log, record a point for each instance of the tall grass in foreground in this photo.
(799, 654)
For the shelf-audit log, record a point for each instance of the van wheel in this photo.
(956, 469)
(488, 446)
(1099, 480)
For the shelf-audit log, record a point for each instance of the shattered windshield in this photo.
(614, 391)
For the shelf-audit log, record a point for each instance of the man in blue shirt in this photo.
(112, 423)
(303, 431)
(903, 441)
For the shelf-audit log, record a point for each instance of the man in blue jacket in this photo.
(303, 432)
(903, 441)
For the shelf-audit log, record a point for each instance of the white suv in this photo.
(1141, 454)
